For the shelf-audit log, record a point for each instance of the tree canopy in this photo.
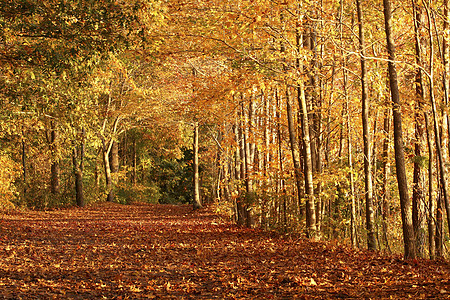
(294, 101)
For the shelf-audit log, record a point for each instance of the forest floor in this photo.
(142, 251)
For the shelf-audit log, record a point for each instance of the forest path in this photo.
(142, 251)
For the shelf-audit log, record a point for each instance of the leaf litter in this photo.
(145, 251)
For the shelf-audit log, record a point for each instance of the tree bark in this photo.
(237, 166)
(114, 157)
(418, 194)
(306, 143)
(353, 232)
(24, 164)
(309, 185)
(439, 151)
(405, 202)
(78, 168)
(134, 162)
(106, 148)
(265, 198)
(431, 207)
(97, 170)
(294, 147)
(280, 191)
(386, 166)
(439, 236)
(248, 150)
(52, 138)
(368, 190)
(197, 202)
(445, 116)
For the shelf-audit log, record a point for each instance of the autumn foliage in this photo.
(325, 119)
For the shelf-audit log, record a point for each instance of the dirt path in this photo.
(141, 251)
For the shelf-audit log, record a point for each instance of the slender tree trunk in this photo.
(226, 178)
(307, 151)
(79, 196)
(55, 177)
(445, 62)
(97, 171)
(134, 163)
(52, 138)
(353, 232)
(280, 194)
(371, 241)
(114, 157)
(294, 146)
(249, 149)
(431, 206)
(329, 117)
(243, 171)
(237, 167)
(24, 165)
(78, 168)
(418, 194)
(346, 129)
(439, 241)
(265, 198)
(309, 185)
(197, 202)
(318, 170)
(386, 173)
(106, 148)
(445, 116)
(221, 165)
(374, 170)
(237, 155)
(439, 151)
(405, 202)
(247, 156)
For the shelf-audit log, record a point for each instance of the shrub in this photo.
(9, 172)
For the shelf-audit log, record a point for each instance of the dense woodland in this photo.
(322, 117)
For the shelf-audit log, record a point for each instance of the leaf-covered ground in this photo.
(142, 251)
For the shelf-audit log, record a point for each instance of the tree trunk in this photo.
(280, 191)
(306, 143)
(197, 202)
(78, 168)
(319, 168)
(386, 169)
(248, 157)
(134, 163)
(445, 116)
(242, 171)
(114, 157)
(309, 185)
(265, 198)
(371, 241)
(439, 151)
(439, 240)
(418, 194)
(346, 128)
(52, 139)
(238, 201)
(353, 232)
(405, 202)
(294, 147)
(24, 165)
(431, 207)
(108, 177)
